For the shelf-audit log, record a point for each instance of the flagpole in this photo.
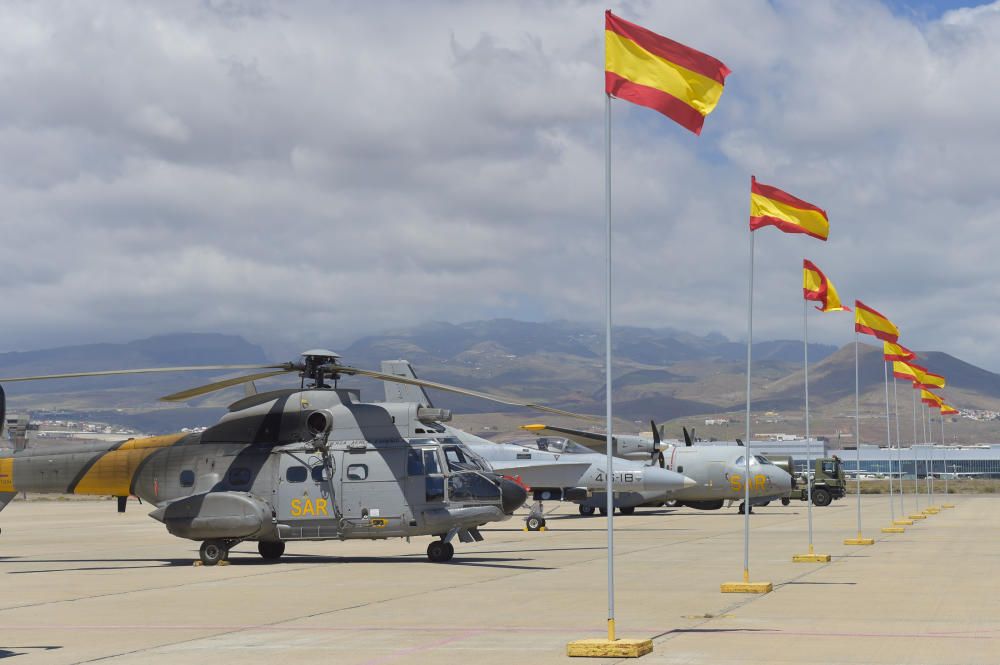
(944, 453)
(857, 427)
(746, 457)
(809, 464)
(899, 447)
(927, 475)
(888, 439)
(913, 449)
(610, 499)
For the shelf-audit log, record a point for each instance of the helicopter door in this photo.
(372, 497)
(424, 480)
(304, 500)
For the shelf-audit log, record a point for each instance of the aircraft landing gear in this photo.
(786, 501)
(743, 507)
(626, 510)
(535, 521)
(271, 549)
(587, 511)
(440, 552)
(213, 551)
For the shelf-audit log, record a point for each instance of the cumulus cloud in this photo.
(304, 173)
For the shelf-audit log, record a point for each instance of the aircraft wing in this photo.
(543, 473)
(596, 442)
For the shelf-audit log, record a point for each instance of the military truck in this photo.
(829, 482)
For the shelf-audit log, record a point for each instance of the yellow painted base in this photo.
(903, 522)
(542, 528)
(811, 558)
(893, 529)
(932, 511)
(918, 516)
(947, 505)
(746, 587)
(598, 648)
(199, 563)
(859, 541)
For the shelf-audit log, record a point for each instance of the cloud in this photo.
(305, 173)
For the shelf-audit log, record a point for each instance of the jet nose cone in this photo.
(689, 483)
(657, 479)
(782, 481)
(512, 496)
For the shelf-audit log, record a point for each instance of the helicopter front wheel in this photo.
(212, 552)
(440, 552)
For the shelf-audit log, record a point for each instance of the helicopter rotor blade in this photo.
(147, 370)
(500, 399)
(185, 395)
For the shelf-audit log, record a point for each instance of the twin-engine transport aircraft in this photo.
(718, 470)
(553, 467)
(306, 463)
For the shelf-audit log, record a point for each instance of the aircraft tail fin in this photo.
(401, 392)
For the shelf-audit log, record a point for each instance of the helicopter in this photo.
(307, 463)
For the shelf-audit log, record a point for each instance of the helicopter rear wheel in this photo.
(271, 549)
(587, 511)
(440, 552)
(212, 552)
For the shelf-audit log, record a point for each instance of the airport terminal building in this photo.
(980, 460)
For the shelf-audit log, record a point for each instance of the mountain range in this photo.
(661, 374)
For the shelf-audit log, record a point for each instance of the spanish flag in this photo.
(948, 410)
(896, 352)
(930, 380)
(647, 69)
(769, 206)
(870, 322)
(930, 399)
(815, 286)
(906, 371)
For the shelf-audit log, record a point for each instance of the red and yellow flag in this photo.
(816, 286)
(650, 70)
(930, 380)
(870, 322)
(906, 371)
(896, 352)
(770, 206)
(948, 410)
(930, 399)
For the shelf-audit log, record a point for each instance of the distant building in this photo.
(717, 421)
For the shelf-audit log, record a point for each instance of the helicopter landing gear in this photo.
(271, 549)
(743, 507)
(213, 551)
(587, 511)
(440, 552)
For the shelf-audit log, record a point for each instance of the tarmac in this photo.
(81, 583)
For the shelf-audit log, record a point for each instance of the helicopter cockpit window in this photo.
(296, 474)
(414, 463)
(357, 472)
(239, 476)
(431, 462)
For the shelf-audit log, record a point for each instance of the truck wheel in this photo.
(212, 552)
(786, 501)
(821, 497)
(626, 510)
(271, 549)
(587, 511)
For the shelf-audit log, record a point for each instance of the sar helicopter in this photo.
(307, 463)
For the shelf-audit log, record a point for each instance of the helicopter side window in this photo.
(319, 474)
(431, 462)
(296, 474)
(187, 478)
(414, 463)
(239, 476)
(357, 472)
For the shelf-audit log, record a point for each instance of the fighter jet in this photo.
(718, 470)
(555, 468)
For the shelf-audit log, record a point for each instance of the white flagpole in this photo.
(913, 449)
(899, 447)
(809, 463)
(927, 475)
(944, 452)
(610, 503)
(746, 473)
(888, 439)
(857, 427)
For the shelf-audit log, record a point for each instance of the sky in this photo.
(305, 173)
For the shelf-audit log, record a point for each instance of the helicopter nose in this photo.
(662, 480)
(512, 496)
